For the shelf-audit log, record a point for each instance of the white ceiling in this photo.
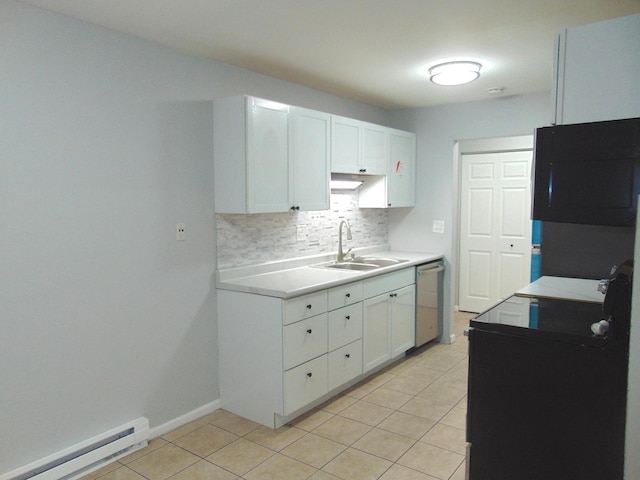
(372, 51)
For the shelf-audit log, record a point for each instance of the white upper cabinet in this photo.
(597, 72)
(345, 145)
(358, 147)
(310, 134)
(402, 169)
(269, 157)
(397, 188)
(375, 149)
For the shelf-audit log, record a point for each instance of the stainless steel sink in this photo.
(362, 263)
(380, 261)
(350, 265)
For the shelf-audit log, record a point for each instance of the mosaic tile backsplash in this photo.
(259, 238)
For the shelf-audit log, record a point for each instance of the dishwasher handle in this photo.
(420, 270)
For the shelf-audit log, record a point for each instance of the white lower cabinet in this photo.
(345, 364)
(389, 317)
(305, 340)
(304, 383)
(279, 358)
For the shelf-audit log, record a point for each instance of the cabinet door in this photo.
(345, 325)
(345, 145)
(403, 320)
(375, 149)
(310, 144)
(609, 91)
(305, 383)
(376, 331)
(268, 184)
(402, 166)
(304, 340)
(345, 364)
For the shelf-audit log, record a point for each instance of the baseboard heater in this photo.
(87, 456)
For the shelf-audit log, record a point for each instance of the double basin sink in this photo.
(362, 263)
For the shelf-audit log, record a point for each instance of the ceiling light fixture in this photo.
(455, 73)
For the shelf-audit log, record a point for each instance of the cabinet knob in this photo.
(388, 204)
(309, 330)
(348, 355)
(295, 208)
(309, 307)
(363, 170)
(348, 317)
(348, 295)
(309, 374)
(393, 295)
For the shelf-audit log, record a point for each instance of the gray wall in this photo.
(437, 129)
(105, 144)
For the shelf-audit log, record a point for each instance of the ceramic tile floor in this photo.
(404, 423)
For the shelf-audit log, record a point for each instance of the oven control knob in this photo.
(600, 328)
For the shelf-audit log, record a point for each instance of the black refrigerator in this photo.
(547, 395)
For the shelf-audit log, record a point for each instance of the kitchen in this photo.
(92, 259)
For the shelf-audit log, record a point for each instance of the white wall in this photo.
(105, 144)
(437, 129)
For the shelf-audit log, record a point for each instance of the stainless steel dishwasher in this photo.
(429, 282)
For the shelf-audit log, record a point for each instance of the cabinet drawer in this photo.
(345, 295)
(305, 306)
(345, 325)
(388, 282)
(345, 364)
(305, 383)
(304, 340)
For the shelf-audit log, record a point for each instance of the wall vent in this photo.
(87, 456)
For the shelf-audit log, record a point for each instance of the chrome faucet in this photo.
(340, 253)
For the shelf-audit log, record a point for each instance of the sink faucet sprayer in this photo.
(340, 254)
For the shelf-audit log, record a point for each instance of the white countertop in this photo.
(290, 279)
(579, 289)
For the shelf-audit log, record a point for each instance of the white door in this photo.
(495, 227)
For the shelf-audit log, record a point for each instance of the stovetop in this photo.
(549, 318)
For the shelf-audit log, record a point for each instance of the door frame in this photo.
(516, 143)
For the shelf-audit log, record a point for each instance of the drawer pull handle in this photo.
(348, 317)
(309, 330)
(309, 374)
(348, 355)
(393, 295)
(348, 295)
(309, 307)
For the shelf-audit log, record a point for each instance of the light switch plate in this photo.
(301, 233)
(438, 226)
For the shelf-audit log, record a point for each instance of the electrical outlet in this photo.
(301, 233)
(181, 234)
(438, 226)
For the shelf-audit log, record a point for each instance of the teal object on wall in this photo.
(536, 255)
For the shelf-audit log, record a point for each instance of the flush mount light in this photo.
(454, 73)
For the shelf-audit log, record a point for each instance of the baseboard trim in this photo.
(206, 409)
